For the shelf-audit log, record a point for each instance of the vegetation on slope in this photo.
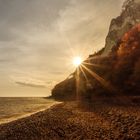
(117, 73)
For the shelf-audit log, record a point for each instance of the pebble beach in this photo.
(68, 121)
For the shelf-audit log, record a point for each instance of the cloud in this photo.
(86, 23)
(30, 85)
(40, 37)
(27, 15)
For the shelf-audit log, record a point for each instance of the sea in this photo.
(15, 108)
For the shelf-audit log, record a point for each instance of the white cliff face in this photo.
(129, 17)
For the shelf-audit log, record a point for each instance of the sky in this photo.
(39, 38)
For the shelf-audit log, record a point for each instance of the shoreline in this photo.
(15, 118)
(68, 121)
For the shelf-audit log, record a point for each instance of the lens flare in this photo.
(77, 61)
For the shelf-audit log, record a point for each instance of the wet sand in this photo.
(67, 121)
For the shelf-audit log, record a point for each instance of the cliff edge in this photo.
(115, 70)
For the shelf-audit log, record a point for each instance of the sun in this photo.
(77, 61)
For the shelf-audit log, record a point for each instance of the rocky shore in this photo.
(67, 121)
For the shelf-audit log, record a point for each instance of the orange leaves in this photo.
(130, 41)
(128, 55)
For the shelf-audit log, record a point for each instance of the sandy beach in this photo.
(67, 121)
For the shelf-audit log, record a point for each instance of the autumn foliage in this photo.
(121, 68)
(127, 62)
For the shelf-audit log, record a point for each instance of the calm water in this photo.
(14, 108)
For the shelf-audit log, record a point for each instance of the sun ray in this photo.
(66, 40)
(77, 84)
(96, 65)
(106, 84)
(83, 73)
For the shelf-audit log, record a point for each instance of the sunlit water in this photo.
(14, 108)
